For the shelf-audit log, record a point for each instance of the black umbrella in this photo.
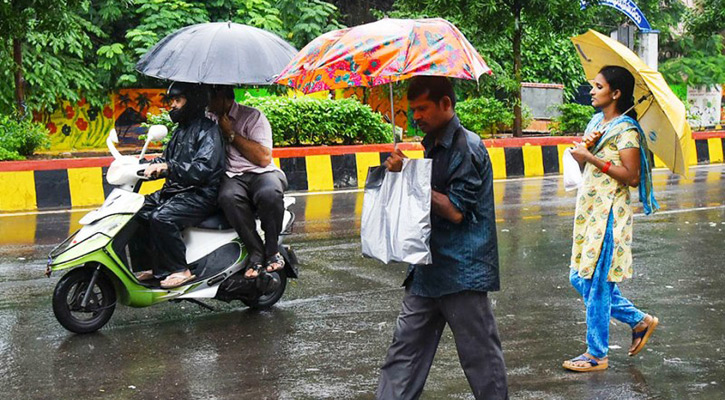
(222, 53)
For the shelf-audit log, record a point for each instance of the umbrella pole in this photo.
(392, 115)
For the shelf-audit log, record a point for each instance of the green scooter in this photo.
(101, 257)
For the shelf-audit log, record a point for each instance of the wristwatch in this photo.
(231, 137)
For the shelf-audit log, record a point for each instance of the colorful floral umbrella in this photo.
(382, 52)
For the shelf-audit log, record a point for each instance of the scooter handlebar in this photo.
(160, 175)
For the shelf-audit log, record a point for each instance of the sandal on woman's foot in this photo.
(275, 263)
(176, 279)
(144, 275)
(255, 269)
(640, 338)
(590, 364)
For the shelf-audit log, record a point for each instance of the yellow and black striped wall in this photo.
(80, 183)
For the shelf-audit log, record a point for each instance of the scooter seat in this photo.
(216, 221)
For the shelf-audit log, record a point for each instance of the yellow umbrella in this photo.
(660, 113)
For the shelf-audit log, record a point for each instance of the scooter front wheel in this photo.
(81, 307)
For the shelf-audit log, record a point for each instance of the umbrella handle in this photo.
(638, 102)
(392, 116)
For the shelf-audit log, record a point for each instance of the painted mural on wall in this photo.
(722, 106)
(130, 107)
(77, 125)
(80, 126)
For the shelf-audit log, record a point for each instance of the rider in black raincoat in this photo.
(193, 163)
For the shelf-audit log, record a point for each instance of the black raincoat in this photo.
(195, 158)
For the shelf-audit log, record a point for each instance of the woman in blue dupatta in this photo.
(602, 246)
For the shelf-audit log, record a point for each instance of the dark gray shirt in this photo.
(465, 255)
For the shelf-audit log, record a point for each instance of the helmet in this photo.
(196, 100)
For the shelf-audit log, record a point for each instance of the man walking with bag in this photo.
(453, 289)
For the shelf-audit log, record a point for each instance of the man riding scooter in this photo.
(193, 163)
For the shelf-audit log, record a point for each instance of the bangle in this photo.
(606, 167)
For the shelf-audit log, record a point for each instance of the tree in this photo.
(37, 22)
(698, 53)
(529, 39)
(297, 21)
(706, 18)
(497, 28)
(73, 49)
(358, 12)
(304, 20)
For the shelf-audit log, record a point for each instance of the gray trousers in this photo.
(250, 195)
(417, 333)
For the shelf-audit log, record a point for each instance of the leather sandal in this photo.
(594, 364)
(643, 335)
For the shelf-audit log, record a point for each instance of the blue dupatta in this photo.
(646, 189)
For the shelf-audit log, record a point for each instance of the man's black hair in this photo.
(436, 87)
(227, 91)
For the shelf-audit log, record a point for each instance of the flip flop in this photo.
(594, 364)
(256, 267)
(275, 259)
(177, 279)
(644, 335)
(144, 275)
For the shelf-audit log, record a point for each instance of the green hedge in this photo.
(573, 119)
(487, 117)
(309, 121)
(20, 138)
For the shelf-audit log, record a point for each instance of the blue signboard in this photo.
(627, 7)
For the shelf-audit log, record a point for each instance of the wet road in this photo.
(328, 336)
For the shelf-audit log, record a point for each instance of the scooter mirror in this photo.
(112, 136)
(157, 133)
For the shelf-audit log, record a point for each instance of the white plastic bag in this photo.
(572, 174)
(396, 213)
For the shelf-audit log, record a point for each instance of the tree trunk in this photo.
(518, 120)
(19, 81)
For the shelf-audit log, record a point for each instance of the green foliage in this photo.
(19, 139)
(488, 116)
(695, 70)
(75, 49)
(484, 116)
(308, 121)
(304, 20)
(297, 21)
(706, 18)
(700, 59)
(550, 58)
(160, 119)
(546, 51)
(573, 119)
(151, 20)
(54, 43)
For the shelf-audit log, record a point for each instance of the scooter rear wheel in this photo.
(268, 300)
(69, 294)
